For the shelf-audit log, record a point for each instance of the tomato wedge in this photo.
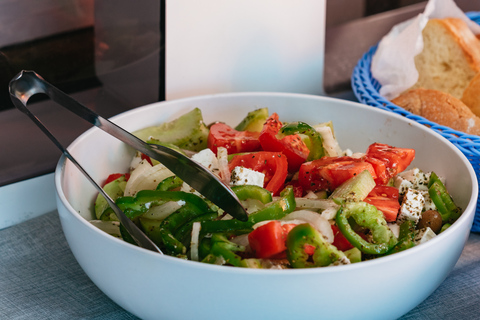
(222, 135)
(329, 172)
(268, 240)
(385, 198)
(272, 164)
(395, 159)
(291, 146)
(380, 169)
(115, 176)
(339, 240)
(147, 158)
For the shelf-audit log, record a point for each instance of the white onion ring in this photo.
(195, 240)
(315, 219)
(164, 210)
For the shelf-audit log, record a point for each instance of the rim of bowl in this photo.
(465, 218)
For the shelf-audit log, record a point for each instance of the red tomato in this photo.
(309, 249)
(272, 164)
(297, 188)
(380, 169)
(395, 159)
(145, 157)
(339, 240)
(269, 239)
(329, 172)
(291, 146)
(385, 198)
(222, 135)
(385, 191)
(115, 176)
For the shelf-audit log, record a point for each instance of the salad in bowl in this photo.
(321, 231)
(310, 202)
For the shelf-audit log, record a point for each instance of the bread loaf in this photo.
(471, 95)
(450, 57)
(440, 107)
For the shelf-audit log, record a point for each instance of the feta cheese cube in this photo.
(412, 206)
(243, 176)
(395, 228)
(402, 185)
(423, 235)
(414, 179)
(208, 159)
(429, 205)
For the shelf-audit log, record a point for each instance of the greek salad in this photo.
(310, 202)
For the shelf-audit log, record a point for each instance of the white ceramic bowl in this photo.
(153, 286)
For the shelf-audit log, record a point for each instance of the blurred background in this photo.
(110, 55)
(73, 43)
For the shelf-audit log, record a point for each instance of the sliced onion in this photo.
(261, 223)
(142, 167)
(164, 210)
(135, 161)
(222, 156)
(315, 219)
(329, 213)
(282, 222)
(252, 205)
(329, 142)
(110, 227)
(316, 204)
(146, 177)
(311, 195)
(195, 240)
(241, 240)
(226, 217)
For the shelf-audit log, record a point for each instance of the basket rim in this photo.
(366, 89)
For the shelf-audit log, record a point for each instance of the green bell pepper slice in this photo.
(445, 227)
(406, 237)
(164, 233)
(170, 183)
(252, 192)
(184, 233)
(221, 247)
(304, 235)
(316, 141)
(144, 199)
(275, 211)
(367, 216)
(447, 208)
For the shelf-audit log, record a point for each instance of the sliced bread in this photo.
(471, 95)
(450, 57)
(440, 107)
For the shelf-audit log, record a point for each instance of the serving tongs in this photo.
(28, 83)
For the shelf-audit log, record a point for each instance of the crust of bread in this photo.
(450, 57)
(440, 107)
(471, 95)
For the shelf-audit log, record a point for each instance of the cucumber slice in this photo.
(187, 132)
(354, 255)
(355, 189)
(253, 121)
(114, 189)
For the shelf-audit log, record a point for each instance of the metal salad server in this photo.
(28, 83)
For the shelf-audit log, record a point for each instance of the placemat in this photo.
(40, 279)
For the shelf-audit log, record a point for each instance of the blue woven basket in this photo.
(366, 89)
